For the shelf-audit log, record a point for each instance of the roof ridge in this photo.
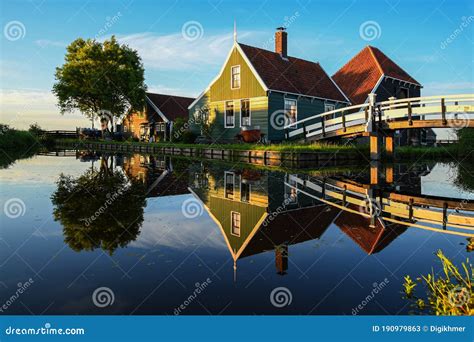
(169, 95)
(375, 59)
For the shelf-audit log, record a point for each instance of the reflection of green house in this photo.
(257, 87)
(256, 214)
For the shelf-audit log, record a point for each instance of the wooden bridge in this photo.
(379, 120)
(61, 134)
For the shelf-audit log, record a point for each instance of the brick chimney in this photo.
(281, 41)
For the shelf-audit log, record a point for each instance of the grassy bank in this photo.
(284, 147)
(450, 151)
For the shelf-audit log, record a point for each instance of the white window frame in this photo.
(296, 106)
(232, 76)
(232, 213)
(407, 89)
(250, 113)
(240, 192)
(225, 184)
(328, 107)
(225, 114)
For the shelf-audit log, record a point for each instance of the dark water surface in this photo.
(173, 235)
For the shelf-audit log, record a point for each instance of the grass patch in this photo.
(283, 147)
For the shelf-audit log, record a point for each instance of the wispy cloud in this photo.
(435, 88)
(46, 43)
(22, 107)
(174, 52)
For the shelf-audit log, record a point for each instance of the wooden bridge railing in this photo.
(450, 110)
(420, 212)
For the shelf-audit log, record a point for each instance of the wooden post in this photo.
(410, 120)
(374, 173)
(443, 112)
(343, 121)
(389, 174)
(389, 145)
(374, 147)
(323, 126)
(445, 215)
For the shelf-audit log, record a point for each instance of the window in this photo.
(229, 185)
(235, 77)
(291, 111)
(229, 114)
(245, 192)
(245, 112)
(235, 223)
(328, 107)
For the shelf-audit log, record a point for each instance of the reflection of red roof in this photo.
(360, 75)
(171, 106)
(292, 75)
(370, 239)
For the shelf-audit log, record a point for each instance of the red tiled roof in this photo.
(171, 106)
(293, 75)
(360, 75)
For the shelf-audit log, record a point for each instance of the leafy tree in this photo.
(100, 77)
(99, 209)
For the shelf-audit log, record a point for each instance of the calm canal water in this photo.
(169, 236)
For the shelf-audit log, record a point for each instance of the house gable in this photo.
(250, 84)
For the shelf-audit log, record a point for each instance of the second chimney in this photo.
(281, 42)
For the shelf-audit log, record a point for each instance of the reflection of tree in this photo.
(464, 178)
(99, 209)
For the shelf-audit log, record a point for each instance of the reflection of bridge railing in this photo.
(430, 213)
(432, 111)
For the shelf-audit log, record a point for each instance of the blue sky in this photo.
(413, 33)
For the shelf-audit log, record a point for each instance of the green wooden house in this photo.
(263, 89)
